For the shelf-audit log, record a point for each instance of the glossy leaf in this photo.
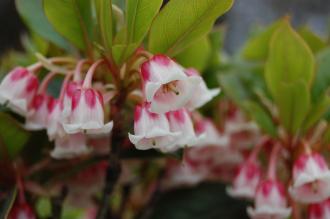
(104, 19)
(263, 119)
(322, 78)
(72, 19)
(122, 52)
(257, 47)
(12, 135)
(197, 55)
(289, 60)
(293, 103)
(35, 18)
(316, 112)
(315, 42)
(182, 22)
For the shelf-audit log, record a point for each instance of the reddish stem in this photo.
(271, 173)
(89, 76)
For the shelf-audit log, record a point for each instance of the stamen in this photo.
(314, 187)
(172, 88)
(154, 142)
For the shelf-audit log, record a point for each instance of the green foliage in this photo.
(196, 56)
(104, 19)
(72, 19)
(12, 135)
(181, 22)
(43, 207)
(257, 47)
(35, 18)
(289, 60)
(314, 41)
(322, 78)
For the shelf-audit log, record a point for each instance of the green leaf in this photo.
(12, 135)
(33, 15)
(139, 16)
(196, 56)
(104, 19)
(317, 111)
(262, 118)
(122, 52)
(72, 19)
(315, 42)
(257, 47)
(43, 207)
(181, 22)
(322, 79)
(205, 201)
(289, 60)
(7, 203)
(293, 104)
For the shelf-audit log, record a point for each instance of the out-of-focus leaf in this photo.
(293, 104)
(43, 207)
(289, 60)
(104, 19)
(206, 201)
(122, 52)
(72, 19)
(181, 22)
(35, 18)
(315, 42)
(257, 47)
(7, 203)
(12, 135)
(196, 56)
(322, 78)
(216, 38)
(317, 111)
(262, 118)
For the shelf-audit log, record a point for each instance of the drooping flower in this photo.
(319, 210)
(87, 109)
(54, 125)
(69, 146)
(202, 94)
(36, 118)
(246, 181)
(311, 179)
(17, 89)
(21, 211)
(151, 130)
(180, 121)
(270, 201)
(166, 85)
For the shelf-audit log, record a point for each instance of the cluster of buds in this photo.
(76, 115)
(170, 93)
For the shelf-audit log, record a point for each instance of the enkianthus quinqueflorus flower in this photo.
(17, 89)
(36, 118)
(21, 211)
(319, 210)
(180, 121)
(87, 109)
(311, 179)
(151, 130)
(202, 94)
(166, 85)
(246, 181)
(270, 201)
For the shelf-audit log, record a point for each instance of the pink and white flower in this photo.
(17, 89)
(270, 201)
(202, 94)
(21, 211)
(311, 179)
(166, 85)
(87, 113)
(69, 146)
(319, 210)
(180, 121)
(151, 130)
(246, 181)
(36, 118)
(54, 125)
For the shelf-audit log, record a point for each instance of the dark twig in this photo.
(57, 204)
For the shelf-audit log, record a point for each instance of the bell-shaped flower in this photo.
(180, 121)
(17, 89)
(311, 179)
(270, 201)
(319, 210)
(36, 118)
(70, 146)
(87, 113)
(166, 85)
(246, 180)
(21, 211)
(202, 94)
(151, 130)
(68, 92)
(54, 125)
(212, 135)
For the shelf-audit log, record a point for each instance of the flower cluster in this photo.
(70, 119)
(170, 93)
